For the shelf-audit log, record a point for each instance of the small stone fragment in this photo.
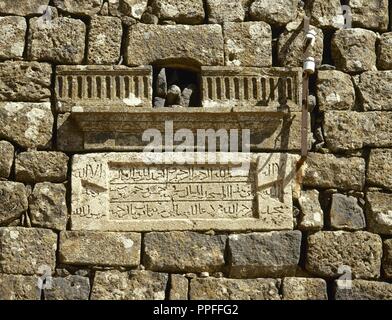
(161, 84)
(136, 285)
(312, 216)
(187, 98)
(346, 214)
(159, 102)
(173, 95)
(304, 289)
(41, 166)
(100, 248)
(7, 158)
(48, 208)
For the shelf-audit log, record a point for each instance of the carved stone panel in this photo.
(182, 191)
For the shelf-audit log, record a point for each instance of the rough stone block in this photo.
(132, 8)
(48, 208)
(183, 252)
(220, 11)
(279, 12)
(291, 43)
(385, 51)
(304, 289)
(12, 41)
(77, 7)
(178, 287)
(13, 201)
(379, 213)
(104, 40)
(330, 171)
(248, 44)
(68, 138)
(387, 258)
(28, 7)
(335, 91)
(348, 130)
(137, 285)
(17, 287)
(179, 11)
(234, 289)
(41, 166)
(27, 251)
(346, 214)
(7, 151)
(60, 40)
(380, 168)
(330, 252)
(354, 50)
(264, 254)
(312, 216)
(100, 248)
(25, 81)
(72, 287)
(370, 14)
(363, 290)
(325, 14)
(375, 90)
(27, 124)
(148, 44)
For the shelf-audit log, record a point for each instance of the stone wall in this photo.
(338, 227)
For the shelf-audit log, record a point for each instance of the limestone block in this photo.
(379, 168)
(376, 90)
(18, 287)
(370, 14)
(178, 287)
(12, 41)
(132, 8)
(379, 213)
(312, 216)
(28, 8)
(13, 201)
(220, 11)
(180, 11)
(279, 12)
(385, 52)
(77, 7)
(72, 287)
(363, 290)
(345, 213)
(387, 258)
(304, 289)
(326, 14)
(7, 158)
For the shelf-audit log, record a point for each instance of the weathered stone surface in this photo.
(27, 124)
(28, 7)
(379, 213)
(363, 290)
(325, 13)
(312, 216)
(41, 166)
(137, 285)
(48, 208)
(335, 91)
(12, 41)
(17, 287)
(13, 201)
(72, 287)
(220, 11)
(248, 44)
(304, 289)
(178, 287)
(375, 90)
(279, 12)
(7, 158)
(26, 251)
(233, 289)
(347, 130)
(329, 251)
(104, 40)
(132, 8)
(137, 192)
(85, 7)
(385, 51)
(291, 44)
(370, 14)
(180, 11)
(330, 171)
(345, 213)
(60, 40)
(380, 168)
(183, 252)
(354, 50)
(68, 136)
(100, 248)
(387, 258)
(264, 254)
(178, 44)
(25, 81)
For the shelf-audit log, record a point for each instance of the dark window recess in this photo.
(176, 87)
